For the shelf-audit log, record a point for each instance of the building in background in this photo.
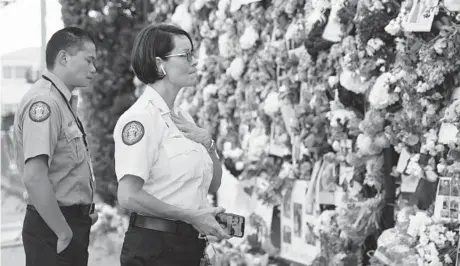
(18, 70)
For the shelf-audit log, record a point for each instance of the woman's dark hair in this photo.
(151, 42)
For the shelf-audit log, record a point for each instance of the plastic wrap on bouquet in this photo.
(353, 82)
(395, 248)
(332, 31)
(452, 5)
(256, 259)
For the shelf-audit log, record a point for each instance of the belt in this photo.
(73, 210)
(163, 225)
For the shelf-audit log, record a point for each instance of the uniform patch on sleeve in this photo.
(39, 111)
(132, 133)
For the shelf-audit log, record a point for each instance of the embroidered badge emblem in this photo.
(132, 133)
(39, 111)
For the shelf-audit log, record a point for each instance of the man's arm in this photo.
(42, 195)
(41, 129)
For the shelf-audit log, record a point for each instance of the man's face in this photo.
(81, 65)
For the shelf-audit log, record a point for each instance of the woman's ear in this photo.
(159, 62)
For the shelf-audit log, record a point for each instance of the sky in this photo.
(20, 25)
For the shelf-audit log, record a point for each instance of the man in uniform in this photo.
(53, 157)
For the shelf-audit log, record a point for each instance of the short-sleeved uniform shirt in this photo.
(44, 125)
(175, 169)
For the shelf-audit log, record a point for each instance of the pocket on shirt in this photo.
(183, 157)
(74, 139)
(176, 146)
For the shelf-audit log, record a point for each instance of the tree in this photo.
(113, 25)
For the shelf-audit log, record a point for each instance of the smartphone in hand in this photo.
(232, 224)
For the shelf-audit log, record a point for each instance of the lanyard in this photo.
(79, 124)
(82, 130)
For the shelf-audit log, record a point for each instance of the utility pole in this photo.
(43, 35)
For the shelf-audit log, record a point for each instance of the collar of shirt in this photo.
(155, 98)
(59, 84)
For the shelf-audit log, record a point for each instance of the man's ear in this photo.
(62, 58)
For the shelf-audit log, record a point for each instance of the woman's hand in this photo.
(191, 130)
(204, 220)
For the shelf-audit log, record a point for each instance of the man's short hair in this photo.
(151, 42)
(70, 39)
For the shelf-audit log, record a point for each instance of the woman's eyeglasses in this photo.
(187, 55)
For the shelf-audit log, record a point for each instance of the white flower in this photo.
(183, 18)
(249, 38)
(447, 259)
(364, 143)
(332, 81)
(340, 117)
(209, 91)
(379, 96)
(450, 236)
(324, 222)
(286, 171)
(202, 55)
(418, 222)
(239, 165)
(221, 8)
(413, 167)
(422, 87)
(236, 68)
(373, 45)
(440, 45)
(272, 104)
(227, 146)
(257, 145)
(441, 167)
(393, 28)
(225, 45)
(199, 4)
(352, 82)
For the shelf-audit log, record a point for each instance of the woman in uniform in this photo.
(165, 164)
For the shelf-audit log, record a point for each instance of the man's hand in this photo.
(191, 130)
(204, 221)
(64, 240)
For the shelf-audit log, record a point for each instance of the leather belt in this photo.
(163, 225)
(74, 210)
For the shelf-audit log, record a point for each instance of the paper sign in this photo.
(447, 202)
(447, 133)
(327, 198)
(298, 242)
(421, 16)
(409, 183)
(403, 160)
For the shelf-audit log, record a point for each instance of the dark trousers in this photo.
(145, 247)
(40, 241)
